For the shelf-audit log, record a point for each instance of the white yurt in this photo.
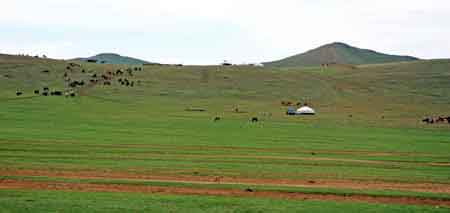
(305, 110)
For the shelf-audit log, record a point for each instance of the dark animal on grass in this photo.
(56, 93)
(45, 71)
(127, 83)
(448, 119)
(254, 119)
(19, 93)
(132, 84)
(249, 190)
(94, 76)
(45, 93)
(107, 83)
(45, 88)
(427, 120)
(72, 94)
(65, 75)
(68, 68)
(440, 120)
(36, 92)
(119, 72)
(83, 71)
(216, 119)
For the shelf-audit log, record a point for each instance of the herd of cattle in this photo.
(440, 119)
(73, 86)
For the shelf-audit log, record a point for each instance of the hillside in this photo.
(112, 58)
(338, 53)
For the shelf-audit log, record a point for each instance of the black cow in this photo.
(36, 92)
(19, 93)
(427, 120)
(216, 119)
(254, 119)
(45, 93)
(45, 88)
(56, 93)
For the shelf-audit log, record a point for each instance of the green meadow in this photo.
(367, 128)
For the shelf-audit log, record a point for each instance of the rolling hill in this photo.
(338, 53)
(112, 58)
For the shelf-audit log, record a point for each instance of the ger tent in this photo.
(305, 110)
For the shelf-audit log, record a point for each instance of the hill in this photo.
(338, 53)
(112, 58)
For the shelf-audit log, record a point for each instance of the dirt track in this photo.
(325, 183)
(17, 184)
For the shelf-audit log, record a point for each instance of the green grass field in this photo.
(145, 130)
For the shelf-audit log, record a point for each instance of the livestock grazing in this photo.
(127, 83)
(19, 93)
(72, 94)
(448, 119)
(45, 93)
(132, 84)
(135, 69)
(56, 93)
(45, 71)
(427, 120)
(36, 92)
(119, 72)
(45, 88)
(254, 119)
(68, 68)
(249, 190)
(94, 76)
(216, 119)
(65, 75)
(440, 120)
(83, 71)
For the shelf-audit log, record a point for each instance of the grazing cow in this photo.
(249, 190)
(427, 120)
(18, 93)
(45, 71)
(72, 94)
(132, 84)
(45, 93)
(254, 119)
(45, 88)
(216, 119)
(83, 71)
(440, 119)
(127, 83)
(56, 93)
(68, 68)
(448, 119)
(36, 92)
(94, 76)
(65, 75)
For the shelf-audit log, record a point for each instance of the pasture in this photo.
(367, 143)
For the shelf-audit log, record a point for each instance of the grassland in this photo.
(117, 134)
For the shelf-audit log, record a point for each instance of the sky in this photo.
(210, 31)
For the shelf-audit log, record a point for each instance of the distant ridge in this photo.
(338, 53)
(112, 58)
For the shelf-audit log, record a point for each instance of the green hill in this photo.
(112, 58)
(338, 53)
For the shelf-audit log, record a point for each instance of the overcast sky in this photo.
(210, 31)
